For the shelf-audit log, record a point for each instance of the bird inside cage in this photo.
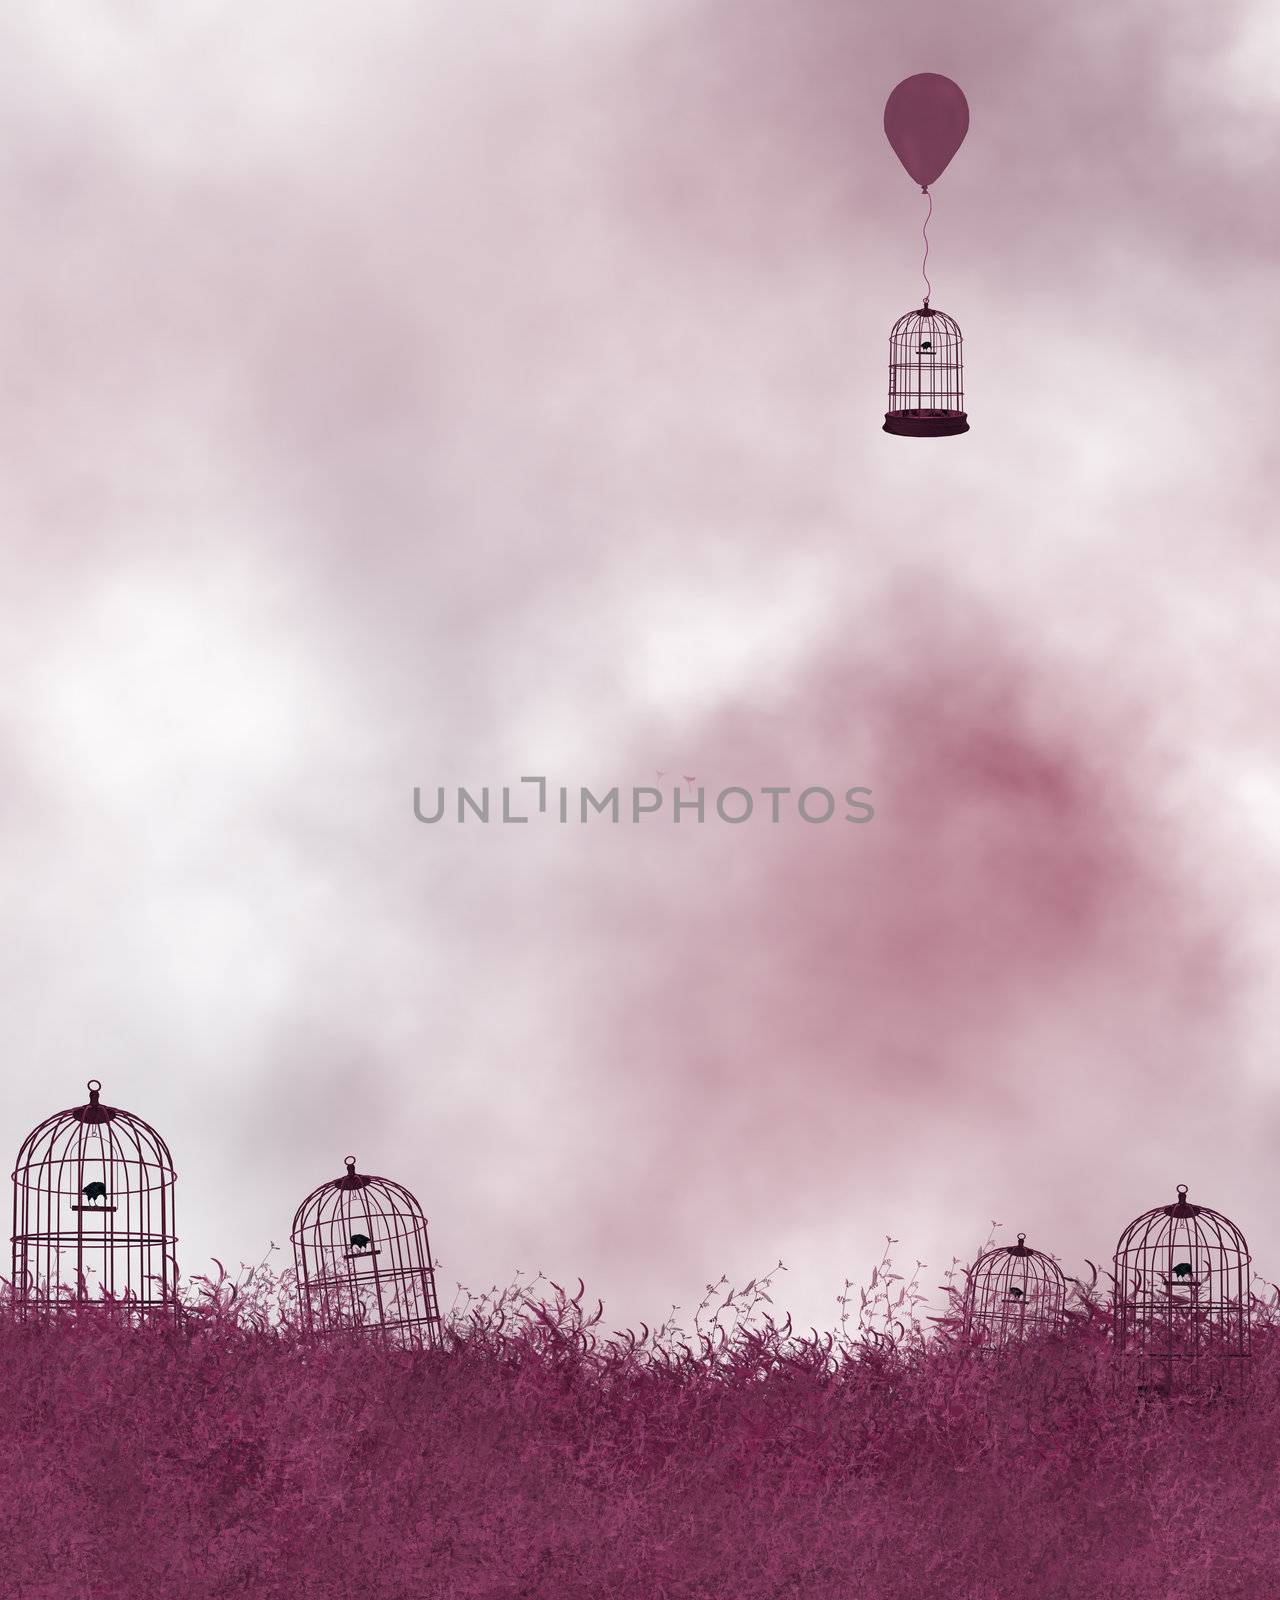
(1184, 1277)
(1016, 1294)
(360, 1241)
(95, 1191)
(926, 347)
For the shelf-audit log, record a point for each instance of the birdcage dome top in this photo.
(927, 316)
(129, 1138)
(998, 1257)
(93, 1110)
(351, 1179)
(1184, 1218)
(373, 1195)
(1181, 1207)
(114, 1142)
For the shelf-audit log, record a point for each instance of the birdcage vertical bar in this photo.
(116, 1156)
(374, 1232)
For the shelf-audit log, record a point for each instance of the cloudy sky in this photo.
(434, 394)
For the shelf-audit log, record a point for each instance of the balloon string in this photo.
(924, 265)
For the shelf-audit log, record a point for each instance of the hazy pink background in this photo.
(436, 394)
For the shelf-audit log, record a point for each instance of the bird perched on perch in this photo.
(926, 348)
(1015, 1294)
(1182, 1270)
(360, 1241)
(95, 1191)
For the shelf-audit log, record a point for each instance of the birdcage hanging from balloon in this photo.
(363, 1261)
(93, 1222)
(926, 375)
(1013, 1293)
(925, 119)
(1181, 1305)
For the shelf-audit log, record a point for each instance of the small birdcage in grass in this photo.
(1181, 1312)
(93, 1224)
(1013, 1292)
(926, 375)
(363, 1261)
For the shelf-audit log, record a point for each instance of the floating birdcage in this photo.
(926, 375)
(93, 1216)
(1182, 1298)
(1013, 1293)
(363, 1261)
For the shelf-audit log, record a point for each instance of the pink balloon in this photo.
(926, 119)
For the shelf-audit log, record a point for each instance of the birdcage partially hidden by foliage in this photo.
(1013, 1293)
(93, 1221)
(1182, 1299)
(363, 1262)
(926, 375)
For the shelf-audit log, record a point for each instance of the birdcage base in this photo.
(926, 424)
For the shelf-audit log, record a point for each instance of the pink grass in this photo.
(536, 1457)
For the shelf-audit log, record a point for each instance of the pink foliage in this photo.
(536, 1456)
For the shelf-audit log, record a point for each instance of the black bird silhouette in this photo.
(1015, 1294)
(360, 1240)
(926, 348)
(1182, 1270)
(95, 1191)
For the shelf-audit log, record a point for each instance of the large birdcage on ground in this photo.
(93, 1224)
(1013, 1293)
(1182, 1298)
(926, 375)
(363, 1261)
